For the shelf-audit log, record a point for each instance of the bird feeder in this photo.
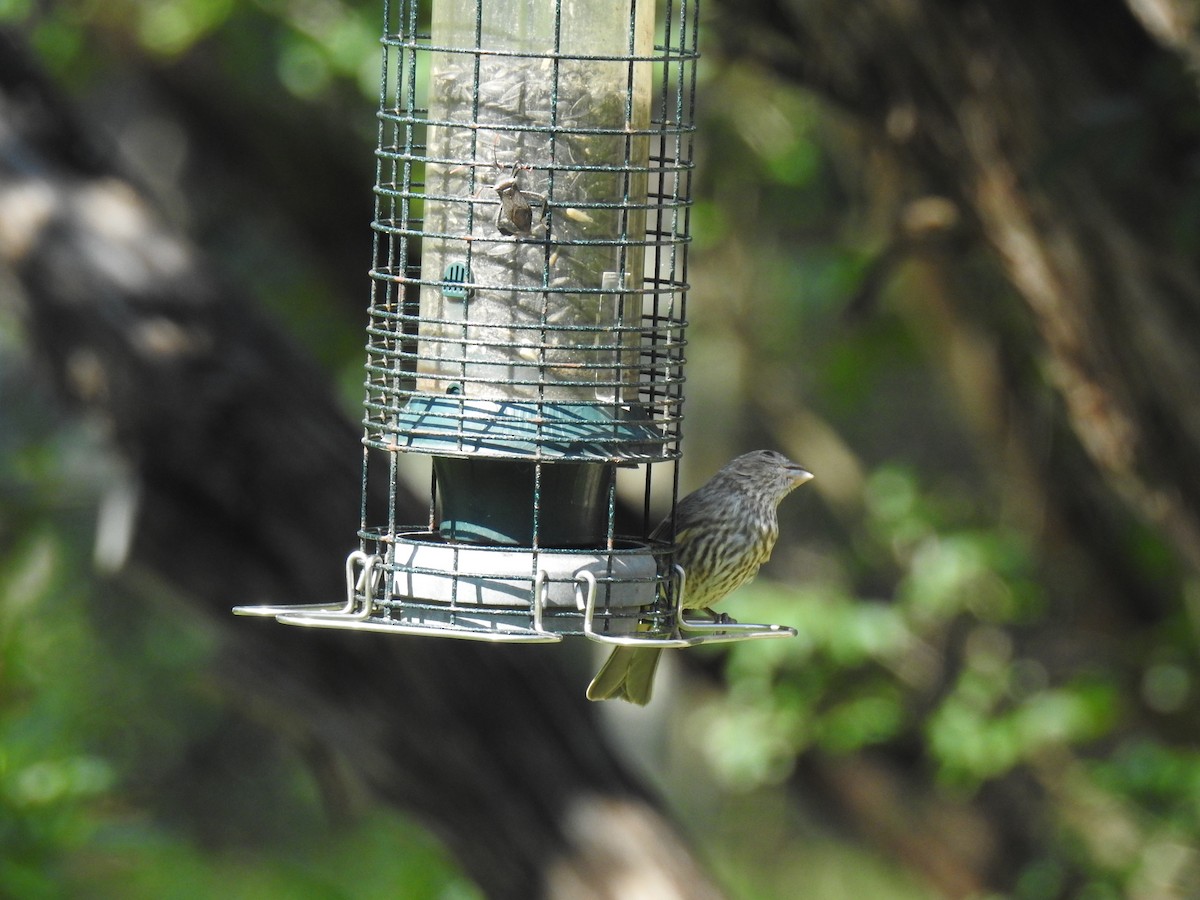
(526, 327)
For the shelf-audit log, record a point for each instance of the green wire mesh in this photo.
(562, 340)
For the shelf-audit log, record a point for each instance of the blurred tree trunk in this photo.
(249, 480)
(1065, 137)
(1059, 138)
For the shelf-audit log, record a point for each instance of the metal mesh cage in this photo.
(527, 312)
(532, 226)
(527, 316)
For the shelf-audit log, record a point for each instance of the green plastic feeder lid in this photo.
(458, 426)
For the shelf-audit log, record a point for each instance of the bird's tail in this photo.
(627, 674)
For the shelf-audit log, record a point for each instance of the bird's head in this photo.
(767, 473)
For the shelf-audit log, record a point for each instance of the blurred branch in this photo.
(1172, 23)
(1064, 140)
(1021, 117)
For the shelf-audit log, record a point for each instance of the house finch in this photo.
(724, 531)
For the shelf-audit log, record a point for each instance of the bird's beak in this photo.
(799, 475)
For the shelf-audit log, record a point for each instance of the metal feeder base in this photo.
(486, 594)
(490, 593)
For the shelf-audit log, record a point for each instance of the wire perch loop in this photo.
(526, 326)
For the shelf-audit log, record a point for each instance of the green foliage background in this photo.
(941, 625)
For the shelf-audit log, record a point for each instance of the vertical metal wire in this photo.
(364, 516)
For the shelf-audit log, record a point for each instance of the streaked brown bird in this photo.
(724, 531)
